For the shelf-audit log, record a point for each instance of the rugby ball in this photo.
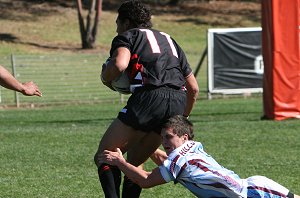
(122, 84)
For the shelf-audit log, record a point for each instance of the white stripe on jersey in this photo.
(174, 51)
(152, 40)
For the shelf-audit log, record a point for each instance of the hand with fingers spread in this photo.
(112, 157)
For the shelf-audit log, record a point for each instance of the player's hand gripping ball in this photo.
(121, 84)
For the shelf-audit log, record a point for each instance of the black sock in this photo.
(130, 189)
(117, 178)
(110, 179)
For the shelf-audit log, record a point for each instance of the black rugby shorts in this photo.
(148, 109)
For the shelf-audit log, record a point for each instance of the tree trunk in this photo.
(81, 21)
(89, 32)
(97, 18)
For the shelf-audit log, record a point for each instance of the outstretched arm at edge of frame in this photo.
(10, 82)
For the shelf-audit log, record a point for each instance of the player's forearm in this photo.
(116, 64)
(158, 157)
(191, 100)
(137, 175)
(192, 94)
(8, 81)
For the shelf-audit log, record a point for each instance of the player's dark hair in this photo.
(180, 125)
(136, 12)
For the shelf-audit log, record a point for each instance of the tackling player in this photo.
(162, 85)
(191, 166)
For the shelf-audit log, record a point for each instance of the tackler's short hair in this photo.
(180, 126)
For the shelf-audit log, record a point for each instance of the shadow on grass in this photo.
(10, 38)
(26, 10)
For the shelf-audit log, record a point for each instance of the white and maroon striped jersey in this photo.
(191, 166)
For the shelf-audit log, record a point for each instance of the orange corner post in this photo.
(281, 53)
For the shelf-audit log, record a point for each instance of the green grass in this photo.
(48, 152)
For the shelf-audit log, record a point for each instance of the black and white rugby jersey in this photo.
(156, 59)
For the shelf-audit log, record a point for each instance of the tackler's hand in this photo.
(112, 157)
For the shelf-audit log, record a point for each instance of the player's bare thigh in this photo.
(118, 135)
(144, 148)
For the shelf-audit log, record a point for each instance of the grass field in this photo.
(49, 152)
